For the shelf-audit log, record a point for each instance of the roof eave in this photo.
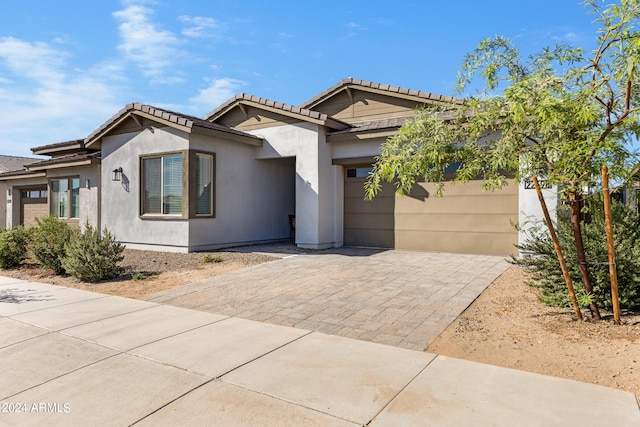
(24, 175)
(362, 135)
(61, 165)
(52, 149)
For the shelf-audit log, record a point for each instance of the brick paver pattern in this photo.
(399, 298)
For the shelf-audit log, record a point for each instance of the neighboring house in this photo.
(9, 164)
(168, 181)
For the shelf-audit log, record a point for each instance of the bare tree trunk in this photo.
(582, 261)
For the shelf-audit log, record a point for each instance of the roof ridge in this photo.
(162, 113)
(268, 103)
(379, 86)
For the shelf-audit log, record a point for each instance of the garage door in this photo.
(33, 204)
(465, 220)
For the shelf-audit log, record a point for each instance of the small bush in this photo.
(93, 255)
(545, 268)
(47, 243)
(138, 276)
(216, 258)
(13, 247)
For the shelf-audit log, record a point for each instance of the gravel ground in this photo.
(153, 263)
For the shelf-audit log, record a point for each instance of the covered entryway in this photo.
(33, 204)
(466, 220)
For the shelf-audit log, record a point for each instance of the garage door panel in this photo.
(377, 205)
(480, 204)
(458, 222)
(370, 238)
(466, 219)
(458, 242)
(370, 221)
(33, 204)
(465, 189)
(355, 188)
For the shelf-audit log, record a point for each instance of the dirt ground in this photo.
(506, 326)
(148, 272)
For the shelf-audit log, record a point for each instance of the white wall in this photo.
(530, 211)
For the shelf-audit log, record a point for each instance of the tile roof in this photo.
(268, 103)
(14, 163)
(59, 145)
(71, 158)
(170, 116)
(350, 82)
(303, 112)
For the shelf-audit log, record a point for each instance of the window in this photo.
(359, 172)
(34, 194)
(162, 185)
(178, 185)
(65, 198)
(204, 184)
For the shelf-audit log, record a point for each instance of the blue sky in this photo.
(67, 66)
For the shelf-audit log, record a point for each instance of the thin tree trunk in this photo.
(556, 245)
(574, 204)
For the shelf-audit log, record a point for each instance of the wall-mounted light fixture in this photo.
(116, 174)
(9, 192)
(88, 184)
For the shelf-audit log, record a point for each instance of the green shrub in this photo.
(92, 255)
(209, 258)
(13, 246)
(545, 268)
(48, 239)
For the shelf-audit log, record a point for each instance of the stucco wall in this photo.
(253, 198)
(120, 199)
(3, 205)
(316, 208)
(530, 211)
(89, 190)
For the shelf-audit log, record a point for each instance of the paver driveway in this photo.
(400, 298)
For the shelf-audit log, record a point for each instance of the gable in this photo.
(249, 118)
(355, 106)
(131, 124)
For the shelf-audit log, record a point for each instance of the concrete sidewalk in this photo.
(72, 357)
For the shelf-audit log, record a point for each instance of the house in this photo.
(163, 180)
(9, 164)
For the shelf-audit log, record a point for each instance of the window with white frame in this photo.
(162, 185)
(65, 198)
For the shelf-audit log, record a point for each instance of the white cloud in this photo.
(47, 101)
(200, 26)
(152, 49)
(354, 29)
(37, 61)
(219, 91)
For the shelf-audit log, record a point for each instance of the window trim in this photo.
(68, 219)
(185, 201)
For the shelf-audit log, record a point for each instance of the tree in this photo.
(558, 115)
